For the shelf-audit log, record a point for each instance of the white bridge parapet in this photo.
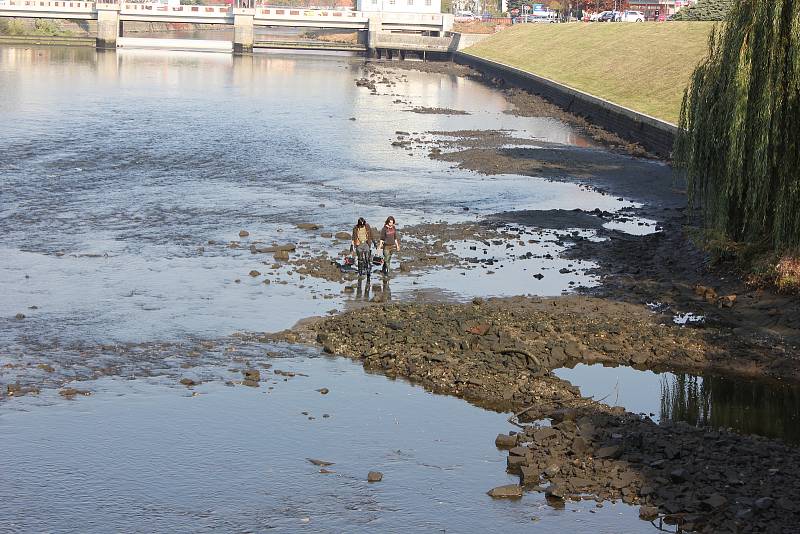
(146, 12)
(49, 9)
(159, 9)
(263, 15)
(110, 13)
(310, 18)
(419, 43)
(47, 5)
(417, 21)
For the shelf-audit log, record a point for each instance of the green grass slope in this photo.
(642, 66)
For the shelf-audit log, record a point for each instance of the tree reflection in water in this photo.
(748, 407)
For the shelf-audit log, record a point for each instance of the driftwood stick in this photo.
(523, 352)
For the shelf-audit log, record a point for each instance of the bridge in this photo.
(383, 29)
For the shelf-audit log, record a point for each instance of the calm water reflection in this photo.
(150, 456)
(767, 409)
(749, 407)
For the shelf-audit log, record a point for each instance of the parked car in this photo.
(596, 16)
(549, 18)
(464, 16)
(608, 16)
(537, 16)
(632, 16)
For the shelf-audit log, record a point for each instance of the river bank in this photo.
(665, 268)
(626, 63)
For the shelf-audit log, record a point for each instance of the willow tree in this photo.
(739, 139)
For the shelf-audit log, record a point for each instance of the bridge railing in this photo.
(45, 5)
(272, 11)
(164, 9)
(272, 4)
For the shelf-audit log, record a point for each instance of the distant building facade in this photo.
(400, 6)
(659, 9)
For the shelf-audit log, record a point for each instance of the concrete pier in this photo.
(374, 25)
(243, 30)
(108, 26)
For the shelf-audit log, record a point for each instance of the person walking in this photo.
(362, 237)
(390, 242)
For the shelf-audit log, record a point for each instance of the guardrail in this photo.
(294, 12)
(142, 8)
(43, 5)
(398, 41)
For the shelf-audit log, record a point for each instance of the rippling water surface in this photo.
(118, 167)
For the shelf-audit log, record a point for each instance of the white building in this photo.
(400, 6)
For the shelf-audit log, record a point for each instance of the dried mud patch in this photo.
(531, 105)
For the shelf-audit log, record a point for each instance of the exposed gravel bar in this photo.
(498, 354)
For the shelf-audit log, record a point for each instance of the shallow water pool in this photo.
(144, 456)
(770, 409)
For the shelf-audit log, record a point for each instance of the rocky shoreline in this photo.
(499, 354)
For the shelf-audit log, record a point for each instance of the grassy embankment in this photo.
(645, 66)
(41, 28)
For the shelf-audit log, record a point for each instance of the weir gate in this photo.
(385, 32)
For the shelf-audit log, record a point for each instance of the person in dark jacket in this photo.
(390, 242)
(362, 237)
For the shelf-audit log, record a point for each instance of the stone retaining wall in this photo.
(408, 41)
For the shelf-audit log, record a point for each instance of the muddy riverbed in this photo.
(155, 268)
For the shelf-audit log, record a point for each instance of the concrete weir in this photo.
(422, 32)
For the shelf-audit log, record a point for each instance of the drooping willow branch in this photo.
(739, 135)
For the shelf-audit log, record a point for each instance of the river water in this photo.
(770, 409)
(118, 167)
(124, 178)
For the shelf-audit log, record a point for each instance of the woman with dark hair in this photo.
(362, 237)
(390, 241)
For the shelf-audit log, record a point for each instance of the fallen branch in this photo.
(514, 417)
(523, 352)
